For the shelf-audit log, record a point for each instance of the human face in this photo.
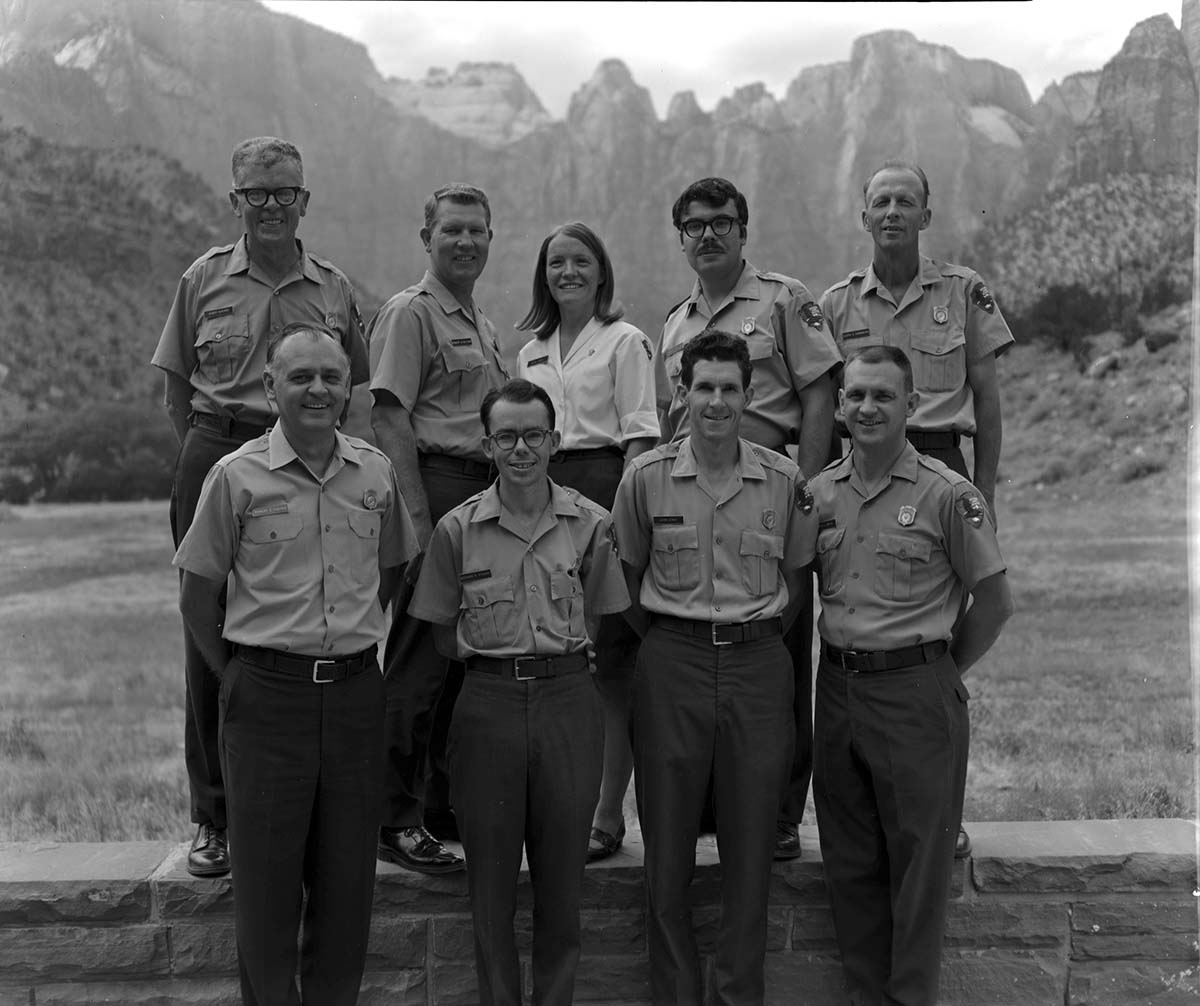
(458, 244)
(895, 212)
(716, 399)
(874, 405)
(572, 273)
(308, 383)
(523, 466)
(270, 228)
(711, 257)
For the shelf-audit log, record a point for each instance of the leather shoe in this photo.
(962, 844)
(787, 841)
(602, 844)
(209, 855)
(417, 850)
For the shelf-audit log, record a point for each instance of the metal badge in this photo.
(370, 500)
(907, 515)
(941, 315)
(768, 518)
(748, 326)
(331, 321)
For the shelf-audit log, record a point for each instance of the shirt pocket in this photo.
(272, 551)
(466, 375)
(939, 359)
(901, 562)
(676, 556)
(364, 540)
(489, 612)
(221, 345)
(761, 554)
(566, 594)
(827, 559)
(761, 345)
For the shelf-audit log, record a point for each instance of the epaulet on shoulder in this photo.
(954, 269)
(940, 468)
(213, 252)
(793, 285)
(857, 274)
(362, 445)
(255, 446)
(662, 452)
(585, 502)
(675, 307)
(324, 263)
(832, 464)
(776, 461)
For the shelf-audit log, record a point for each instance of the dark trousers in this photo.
(421, 684)
(200, 449)
(799, 643)
(891, 763)
(701, 712)
(302, 764)
(525, 761)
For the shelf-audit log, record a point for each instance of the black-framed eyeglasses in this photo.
(283, 197)
(506, 440)
(720, 226)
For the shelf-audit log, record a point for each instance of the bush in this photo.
(1064, 316)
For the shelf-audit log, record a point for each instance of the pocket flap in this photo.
(461, 358)
(761, 345)
(275, 527)
(563, 584)
(904, 546)
(768, 546)
(672, 539)
(481, 593)
(364, 523)
(937, 343)
(831, 538)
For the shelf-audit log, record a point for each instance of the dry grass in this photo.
(1081, 711)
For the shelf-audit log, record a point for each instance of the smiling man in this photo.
(230, 303)
(433, 359)
(715, 536)
(515, 581)
(904, 543)
(307, 528)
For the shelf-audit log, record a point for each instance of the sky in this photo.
(714, 48)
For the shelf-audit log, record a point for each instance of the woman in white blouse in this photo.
(597, 370)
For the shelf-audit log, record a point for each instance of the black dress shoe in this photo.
(602, 844)
(787, 841)
(209, 855)
(962, 844)
(417, 850)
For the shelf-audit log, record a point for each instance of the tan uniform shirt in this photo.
(438, 360)
(946, 318)
(305, 552)
(895, 567)
(714, 557)
(225, 313)
(514, 596)
(789, 346)
(603, 392)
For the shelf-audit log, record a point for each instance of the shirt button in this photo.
(851, 610)
(331, 567)
(537, 628)
(854, 575)
(533, 589)
(331, 609)
(272, 534)
(479, 599)
(719, 505)
(717, 539)
(716, 607)
(859, 538)
(328, 528)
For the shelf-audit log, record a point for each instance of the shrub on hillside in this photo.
(1064, 316)
(114, 451)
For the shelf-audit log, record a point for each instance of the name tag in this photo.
(218, 312)
(825, 525)
(668, 519)
(540, 359)
(478, 574)
(468, 341)
(858, 333)
(269, 509)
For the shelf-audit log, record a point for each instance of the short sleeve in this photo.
(986, 332)
(398, 537)
(634, 386)
(211, 543)
(399, 354)
(810, 348)
(356, 337)
(438, 596)
(176, 350)
(970, 536)
(633, 542)
(604, 591)
(800, 542)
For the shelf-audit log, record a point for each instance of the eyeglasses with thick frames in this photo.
(283, 197)
(720, 227)
(506, 440)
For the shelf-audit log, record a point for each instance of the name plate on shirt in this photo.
(219, 312)
(462, 342)
(269, 509)
(858, 333)
(478, 574)
(540, 359)
(668, 519)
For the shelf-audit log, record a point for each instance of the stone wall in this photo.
(1102, 913)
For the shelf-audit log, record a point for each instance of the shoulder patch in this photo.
(969, 505)
(804, 496)
(647, 348)
(811, 315)
(981, 297)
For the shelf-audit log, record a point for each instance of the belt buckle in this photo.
(715, 640)
(517, 662)
(316, 669)
(853, 654)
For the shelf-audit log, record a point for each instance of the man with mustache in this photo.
(794, 362)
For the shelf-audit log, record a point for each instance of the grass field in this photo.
(1083, 710)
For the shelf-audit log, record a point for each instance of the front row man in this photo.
(715, 534)
(515, 581)
(308, 526)
(903, 541)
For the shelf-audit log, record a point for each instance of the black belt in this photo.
(229, 428)
(528, 668)
(588, 454)
(319, 670)
(451, 463)
(864, 661)
(933, 440)
(721, 633)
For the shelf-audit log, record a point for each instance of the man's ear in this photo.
(555, 441)
(486, 441)
(235, 204)
(910, 403)
(926, 216)
(269, 385)
(839, 408)
(426, 235)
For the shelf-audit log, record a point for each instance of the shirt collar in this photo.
(905, 466)
(280, 451)
(489, 507)
(746, 288)
(748, 465)
(927, 274)
(239, 261)
(441, 293)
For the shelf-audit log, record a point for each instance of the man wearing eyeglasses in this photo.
(213, 350)
(515, 581)
(434, 357)
(794, 360)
